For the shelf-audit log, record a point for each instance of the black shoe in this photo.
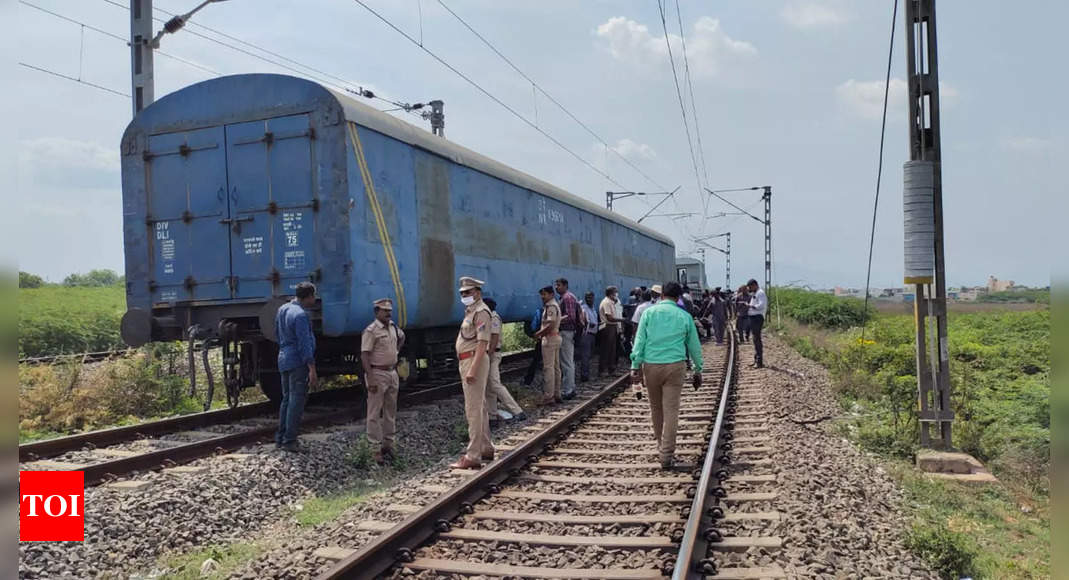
(521, 416)
(292, 447)
(568, 396)
(668, 463)
(388, 454)
(495, 423)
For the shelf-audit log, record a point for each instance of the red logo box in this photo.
(51, 506)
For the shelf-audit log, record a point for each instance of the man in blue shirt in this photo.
(296, 362)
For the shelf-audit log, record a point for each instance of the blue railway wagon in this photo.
(236, 189)
(691, 273)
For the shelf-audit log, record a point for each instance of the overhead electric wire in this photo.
(551, 98)
(77, 80)
(679, 95)
(122, 39)
(879, 168)
(489, 95)
(318, 76)
(693, 105)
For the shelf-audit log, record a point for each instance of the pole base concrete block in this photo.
(953, 466)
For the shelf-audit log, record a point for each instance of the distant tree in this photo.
(93, 278)
(28, 280)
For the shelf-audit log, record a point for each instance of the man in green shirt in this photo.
(666, 337)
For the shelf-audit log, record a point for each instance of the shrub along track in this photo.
(585, 497)
(107, 454)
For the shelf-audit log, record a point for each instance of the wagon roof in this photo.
(231, 98)
(401, 130)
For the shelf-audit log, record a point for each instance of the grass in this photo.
(1000, 362)
(982, 531)
(318, 510)
(228, 558)
(61, 320)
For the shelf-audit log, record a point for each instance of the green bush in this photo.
(63, 320)
(72, 397)
(822, 310)
(513, 338)
(1000, 375)
(94, 278)
(950, 553)
(27, 280)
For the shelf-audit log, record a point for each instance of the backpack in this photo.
(536, 322)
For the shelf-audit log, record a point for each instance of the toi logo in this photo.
(51, 506)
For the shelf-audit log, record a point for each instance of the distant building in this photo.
(996, 285)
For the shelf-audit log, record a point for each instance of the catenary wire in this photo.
(551, 98)
(319, 75)
(70, 78)
(879, 169)
(679, 95)
(489, 95)
(693, 105)
(118, 37)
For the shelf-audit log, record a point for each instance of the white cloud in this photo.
(633, 151)
(1026, 144)
(865, 98)
(709, 48)
(69, 163)
(812, 15)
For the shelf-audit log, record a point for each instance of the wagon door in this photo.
(186, 200)
(272, 205)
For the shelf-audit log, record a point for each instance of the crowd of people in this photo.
(657, 329)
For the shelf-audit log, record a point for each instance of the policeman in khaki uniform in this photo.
(551, 339)
(381, 342)
(473, 342)
(496, 393)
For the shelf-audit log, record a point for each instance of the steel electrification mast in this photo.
(925, 266)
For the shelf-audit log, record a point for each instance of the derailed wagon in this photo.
(237, 188)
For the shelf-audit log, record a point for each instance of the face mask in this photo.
(467, 300)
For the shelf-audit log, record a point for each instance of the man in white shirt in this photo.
(608, 331)
(586, 341)
(654, 296)
(758, 307)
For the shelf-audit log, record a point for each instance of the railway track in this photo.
(86, 357)
(107, 454)
(583, 496)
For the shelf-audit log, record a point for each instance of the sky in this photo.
(786, 94)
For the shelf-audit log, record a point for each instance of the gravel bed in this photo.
(552, 557)
(129, 531)
(291, 553)
(681, 454)
(636, 472)
(508, 504)
(842, 512)
(600, 488)
(559, 529)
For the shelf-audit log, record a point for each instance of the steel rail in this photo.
(160, 458)
(99, 472)
(691, 562)
(103, 437)
(53, 447)
(400, 542)
(85, 356)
